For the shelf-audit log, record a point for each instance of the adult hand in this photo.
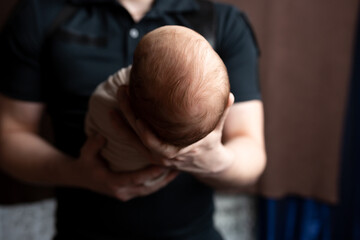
(207, 156)
(92, 173)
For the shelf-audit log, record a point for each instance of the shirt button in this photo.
(134, 33)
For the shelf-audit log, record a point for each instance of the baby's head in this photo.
(178, 85)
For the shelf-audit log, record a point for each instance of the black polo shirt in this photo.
(62, 70)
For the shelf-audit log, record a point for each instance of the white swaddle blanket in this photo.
(98, 121)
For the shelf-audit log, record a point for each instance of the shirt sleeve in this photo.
(20, 47)
(237, 46)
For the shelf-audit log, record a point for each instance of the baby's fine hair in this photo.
(178, 85)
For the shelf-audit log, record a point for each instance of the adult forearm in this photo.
(247, 164)
(29, 158)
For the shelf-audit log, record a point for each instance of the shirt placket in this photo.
(134, 34)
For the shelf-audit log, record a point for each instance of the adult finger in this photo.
(126, 194)
(146, 136)
(137, 177)
(151, 141)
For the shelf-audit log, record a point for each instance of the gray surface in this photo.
(29, 221)
(234, 218)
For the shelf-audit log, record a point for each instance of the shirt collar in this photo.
(176, 5)
(90, 1)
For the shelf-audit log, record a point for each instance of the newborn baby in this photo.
(178, 86)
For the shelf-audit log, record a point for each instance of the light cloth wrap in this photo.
(98, 120)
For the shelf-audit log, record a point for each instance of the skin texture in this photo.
(137, 8)
(231, 156)
(26, 156)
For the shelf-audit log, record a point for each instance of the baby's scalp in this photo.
(178, 84)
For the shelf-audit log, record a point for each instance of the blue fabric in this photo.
(293, 218)
(296, 218)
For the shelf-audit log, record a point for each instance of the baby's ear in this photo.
(231, 99)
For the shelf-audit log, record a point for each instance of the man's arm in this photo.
(28, 157)
(231, 156)
(23, 153)
(243, 139)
